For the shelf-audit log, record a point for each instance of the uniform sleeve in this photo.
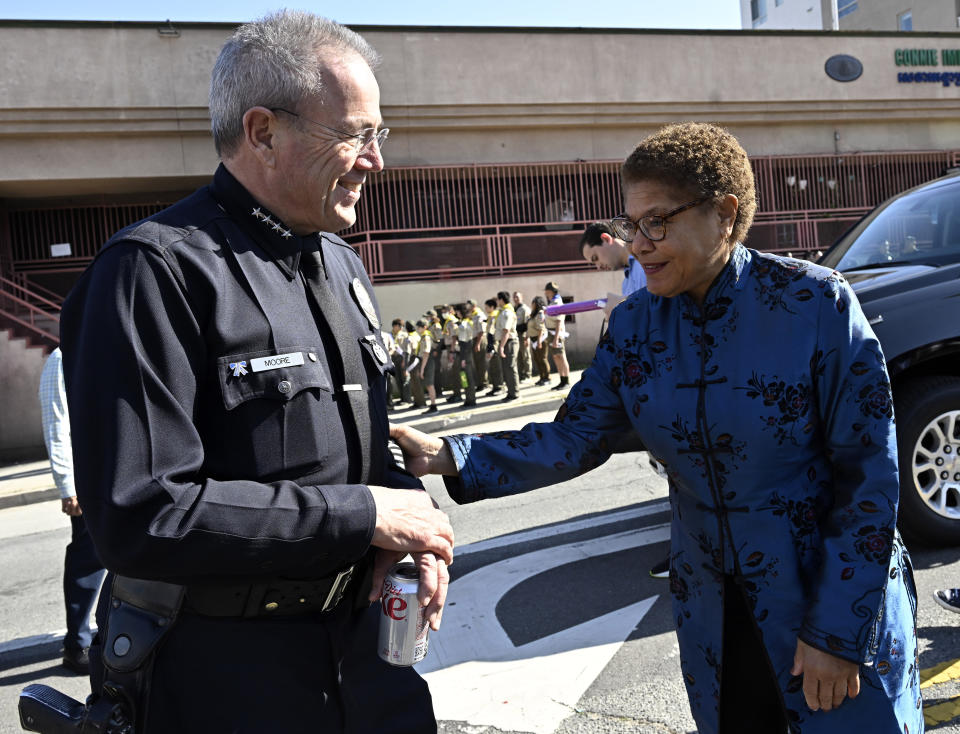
(858, 531)
(135, 360)
(578, 440)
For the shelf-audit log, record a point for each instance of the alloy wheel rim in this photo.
(936, 465)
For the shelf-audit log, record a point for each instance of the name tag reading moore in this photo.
(262, 364)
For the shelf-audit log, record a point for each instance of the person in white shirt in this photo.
(82, 570)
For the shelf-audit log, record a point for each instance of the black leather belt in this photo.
(282, 597)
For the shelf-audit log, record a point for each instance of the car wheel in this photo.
(928, 440)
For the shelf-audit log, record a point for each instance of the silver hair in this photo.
(275, 61)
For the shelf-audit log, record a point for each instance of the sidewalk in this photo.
(24, 484)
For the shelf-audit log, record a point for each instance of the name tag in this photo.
(262, 364)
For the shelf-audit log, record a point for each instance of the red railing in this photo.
(463, 221)
(29, 314)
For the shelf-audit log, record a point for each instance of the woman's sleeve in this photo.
(858, 531)
(578, 440)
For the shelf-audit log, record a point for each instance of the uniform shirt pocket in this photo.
(275, 422)
(240, 383)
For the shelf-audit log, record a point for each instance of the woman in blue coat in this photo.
(756, 380)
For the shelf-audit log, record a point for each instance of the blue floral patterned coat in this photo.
(770, 406)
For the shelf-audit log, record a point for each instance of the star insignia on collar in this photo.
(286, 234)
(277, 227)
(257, 213)
(267, 220)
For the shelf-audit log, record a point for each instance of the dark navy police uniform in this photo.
(227, 458)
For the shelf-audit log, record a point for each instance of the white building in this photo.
(851, 15)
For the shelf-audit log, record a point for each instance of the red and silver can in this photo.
(403, 623)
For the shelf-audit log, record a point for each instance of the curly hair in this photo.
(699, 159)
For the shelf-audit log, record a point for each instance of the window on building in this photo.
(845, 7)
(905, 21)
(758, 12)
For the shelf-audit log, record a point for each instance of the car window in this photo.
(922, 227)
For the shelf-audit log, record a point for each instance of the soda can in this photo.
(403, 623)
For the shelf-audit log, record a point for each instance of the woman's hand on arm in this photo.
(422, 453)
(827, 679)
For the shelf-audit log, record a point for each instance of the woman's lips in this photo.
(649, 268)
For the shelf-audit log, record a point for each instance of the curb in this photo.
(18, 499)
(455, 421)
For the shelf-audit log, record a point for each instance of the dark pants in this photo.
(296, 675)
(480, 367)
(508, 367)
(465, 365)
(82, 576)
(750, 699)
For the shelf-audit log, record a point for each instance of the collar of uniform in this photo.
(269, 231)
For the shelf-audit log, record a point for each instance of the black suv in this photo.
(903, 261)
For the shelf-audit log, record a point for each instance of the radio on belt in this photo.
(403, 623)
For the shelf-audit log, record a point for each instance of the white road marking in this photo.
(525, 536)
(477, 675)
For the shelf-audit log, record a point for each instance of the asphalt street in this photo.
(552, 623)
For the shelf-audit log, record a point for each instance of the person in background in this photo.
(523, 347)
(435, 327)
(395, 349)
(82, 570)
(537, 335)
(451, 361)
(793, 593)
(412, 358)
(464, 353)
(600, 247)
(494, 371)
(557, 336)
(426, 371)
(479, 319)
(505, 339)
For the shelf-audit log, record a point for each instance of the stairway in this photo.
(29, 315)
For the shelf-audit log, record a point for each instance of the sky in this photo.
(537, 13)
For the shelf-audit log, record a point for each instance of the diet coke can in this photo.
(403, 624)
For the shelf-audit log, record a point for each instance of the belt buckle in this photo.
(337, 589)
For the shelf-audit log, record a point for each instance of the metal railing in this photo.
(430, 222)
(20, 311)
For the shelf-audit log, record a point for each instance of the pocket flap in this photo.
(239, 382)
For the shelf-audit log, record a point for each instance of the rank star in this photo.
(286, 233)
(277, 227)
(256, 212)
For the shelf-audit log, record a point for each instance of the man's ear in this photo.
(605, 238)
(727, 209)
(260, 134)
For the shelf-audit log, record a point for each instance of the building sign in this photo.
(843, 68)
(928, 57)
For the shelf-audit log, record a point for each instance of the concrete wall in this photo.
(110, 108)
(409, 300)
(21, 433)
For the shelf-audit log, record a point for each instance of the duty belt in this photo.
(281, 597)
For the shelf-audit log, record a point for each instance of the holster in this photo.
(140, 615)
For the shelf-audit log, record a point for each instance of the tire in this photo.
(928, 442)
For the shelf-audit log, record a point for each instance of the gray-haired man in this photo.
(240, 448)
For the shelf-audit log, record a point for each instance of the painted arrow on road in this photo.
(477, 675)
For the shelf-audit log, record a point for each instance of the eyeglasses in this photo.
(361, 140)
(653, 227)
